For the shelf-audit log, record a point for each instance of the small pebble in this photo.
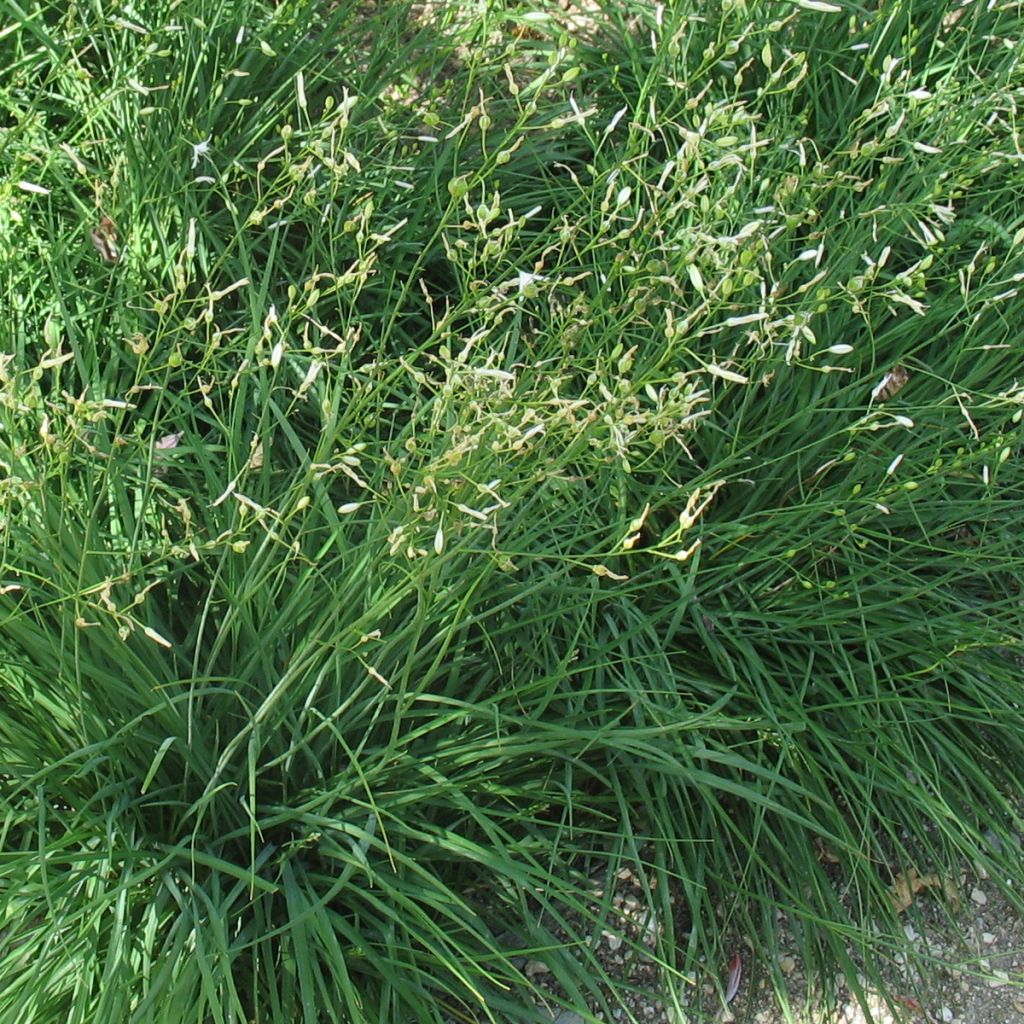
(979, 897)
(994, 842)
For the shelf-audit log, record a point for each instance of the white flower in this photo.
(200, 149)
(527, 283)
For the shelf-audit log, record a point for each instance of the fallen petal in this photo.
(735, 974)
(169, 440)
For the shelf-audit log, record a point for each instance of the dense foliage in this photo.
(448, 453)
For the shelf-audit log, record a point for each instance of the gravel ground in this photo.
(981, 982)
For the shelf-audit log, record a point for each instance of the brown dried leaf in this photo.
(825, 855)
(906, 885)
(104, 239)
(892, 383)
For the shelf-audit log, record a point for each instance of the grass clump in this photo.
(481, 449)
